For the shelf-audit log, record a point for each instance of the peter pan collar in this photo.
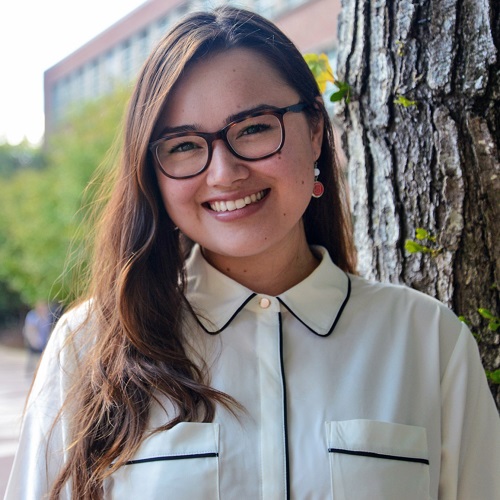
(317, 302)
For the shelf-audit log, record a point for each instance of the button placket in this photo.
(272, 444)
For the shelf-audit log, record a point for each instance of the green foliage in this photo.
(42, 208)
(405, 102)
(428, 243)
(493, 321)
(323, 73)
(463, 319)
(422, 234)
(15, 158)
(493, 376)
(321, 69)
(344, 92)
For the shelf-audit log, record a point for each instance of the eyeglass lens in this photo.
(252, 138)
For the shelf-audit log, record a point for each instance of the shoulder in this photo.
(71, 335)
(399, 312)
(399, 300)
(76, 315)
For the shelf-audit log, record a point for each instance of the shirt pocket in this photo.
(177, 464)
(377, 460)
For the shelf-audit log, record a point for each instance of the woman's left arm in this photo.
(470, 461)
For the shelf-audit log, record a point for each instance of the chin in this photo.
(237, 250)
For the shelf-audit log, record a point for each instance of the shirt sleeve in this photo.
(43, 443)
(470, 428)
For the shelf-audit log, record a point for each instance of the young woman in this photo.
(227, 349)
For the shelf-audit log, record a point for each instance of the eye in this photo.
(183, 147)
(255, 128)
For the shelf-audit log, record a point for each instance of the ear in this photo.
(317, 127)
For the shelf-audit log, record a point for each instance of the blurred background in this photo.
(67, 72)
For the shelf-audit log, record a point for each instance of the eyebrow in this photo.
(231, 118)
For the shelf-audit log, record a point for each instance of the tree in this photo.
(42, 209)
(422, 134)
(15, 158)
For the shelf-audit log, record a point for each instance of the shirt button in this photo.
(264, 302)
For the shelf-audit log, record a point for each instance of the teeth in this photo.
(229, 206)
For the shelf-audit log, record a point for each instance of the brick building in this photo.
(114, 56)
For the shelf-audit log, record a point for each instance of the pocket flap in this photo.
(185, 440)
(371, 437)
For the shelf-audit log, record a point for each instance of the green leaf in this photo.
(494, 325)
(338, 96)
(414, 247)
(403, 101)
(463, 319)
(493, 376)
(485, 313)
(344, 92)
(421, 233)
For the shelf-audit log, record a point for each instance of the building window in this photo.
(143, 45)
(127, 60)
(295, 3)
(163, 23)
(94, 79)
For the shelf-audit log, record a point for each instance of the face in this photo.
(238, 208)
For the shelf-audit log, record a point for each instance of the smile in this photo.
(231, 205)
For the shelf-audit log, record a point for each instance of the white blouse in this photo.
(352, 390)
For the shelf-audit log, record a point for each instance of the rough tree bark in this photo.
(434, 164)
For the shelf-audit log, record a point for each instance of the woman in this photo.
(252, 363)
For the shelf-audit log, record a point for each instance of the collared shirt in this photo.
(351, 390)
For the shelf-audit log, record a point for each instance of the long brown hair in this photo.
(137, 305)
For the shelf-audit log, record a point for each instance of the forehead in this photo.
(224, 84)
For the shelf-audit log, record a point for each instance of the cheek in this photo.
(176, 196)
(298, 171)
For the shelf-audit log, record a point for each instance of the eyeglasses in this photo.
(256, 136)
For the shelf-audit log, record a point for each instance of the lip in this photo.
(234, 204)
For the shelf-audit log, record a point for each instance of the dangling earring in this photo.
(318, 188)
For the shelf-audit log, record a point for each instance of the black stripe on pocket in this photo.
(378, 455)
(171, 457)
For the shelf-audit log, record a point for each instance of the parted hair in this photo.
(138, 351)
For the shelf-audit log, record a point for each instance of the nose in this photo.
(225, 169)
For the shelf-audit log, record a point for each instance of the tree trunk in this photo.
(433, 163)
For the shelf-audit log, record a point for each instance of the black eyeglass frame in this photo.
(210, 137)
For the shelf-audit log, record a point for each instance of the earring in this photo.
(318, 188)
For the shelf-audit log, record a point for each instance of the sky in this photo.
(35, 35)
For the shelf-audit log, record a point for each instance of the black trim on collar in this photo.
(335, 321)
(251, 296)
(216, 332)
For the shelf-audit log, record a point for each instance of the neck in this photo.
(271, 273)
